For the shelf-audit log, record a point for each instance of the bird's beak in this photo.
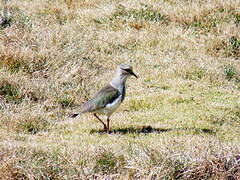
(133, 74)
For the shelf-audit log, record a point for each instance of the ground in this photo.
(180, 119)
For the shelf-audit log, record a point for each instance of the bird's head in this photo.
(126, 70)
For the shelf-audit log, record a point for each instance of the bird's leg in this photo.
(108, 129)
(105, 127)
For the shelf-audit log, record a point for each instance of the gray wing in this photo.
(105, 96)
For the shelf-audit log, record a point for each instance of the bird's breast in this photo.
(111, 107)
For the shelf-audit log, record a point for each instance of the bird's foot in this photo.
(106, 129)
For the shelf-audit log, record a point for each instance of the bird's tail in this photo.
(77, 112)
(73, 115)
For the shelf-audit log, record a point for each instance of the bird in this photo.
(108, 99)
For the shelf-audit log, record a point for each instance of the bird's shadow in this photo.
(150, 129)
(132, 130)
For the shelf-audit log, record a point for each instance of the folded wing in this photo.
(105, 96)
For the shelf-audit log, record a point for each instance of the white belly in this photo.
(110, 108)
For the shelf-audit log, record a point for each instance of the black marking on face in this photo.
(129, 71)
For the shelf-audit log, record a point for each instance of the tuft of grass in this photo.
(235, 43)
(234, 114)
(179, 100)
(217, 166)
(177, 167)
(34, 163)
(13, 64)
(36, 66)
(5, 19)
(112, 48)
(27, 124)
(70, 3)
(33, 96)
(9, 171)
(237, 18)
(195, 73)
(66, 103)
(204, 23)
(10, 92)
(207, 19)
(233, 48)
(57, 14)
(32, 125)
(134, 17)
(106, 163)
(22, 20)
(16, 62)
(231, 73)
(137, 105)
(228, 47)
(145, 13)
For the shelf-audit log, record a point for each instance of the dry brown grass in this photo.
(180, 120)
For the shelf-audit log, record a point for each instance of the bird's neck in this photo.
(118, 82)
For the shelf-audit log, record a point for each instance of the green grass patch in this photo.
(41, 164)
(205, 24)
(106, 163)
(145, 13)
(228, 47)
(66, 103)
(29, 124)
(208, 19)
(237, 18)
(16, 62)
(179, 100)
(195, 73)
(113, 48)
(56, 14)
(137, 105)
(12, 64)
(233, 47)
(23, 21)
(37, 65)
(231, 73)
(135, 17)
(234, 114)
(10, 92)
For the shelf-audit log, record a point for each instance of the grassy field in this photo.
(180, 119)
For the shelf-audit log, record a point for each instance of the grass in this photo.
(134, 18)
(10, 92)
(179, 120)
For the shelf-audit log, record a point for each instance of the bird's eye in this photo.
(128, 70)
